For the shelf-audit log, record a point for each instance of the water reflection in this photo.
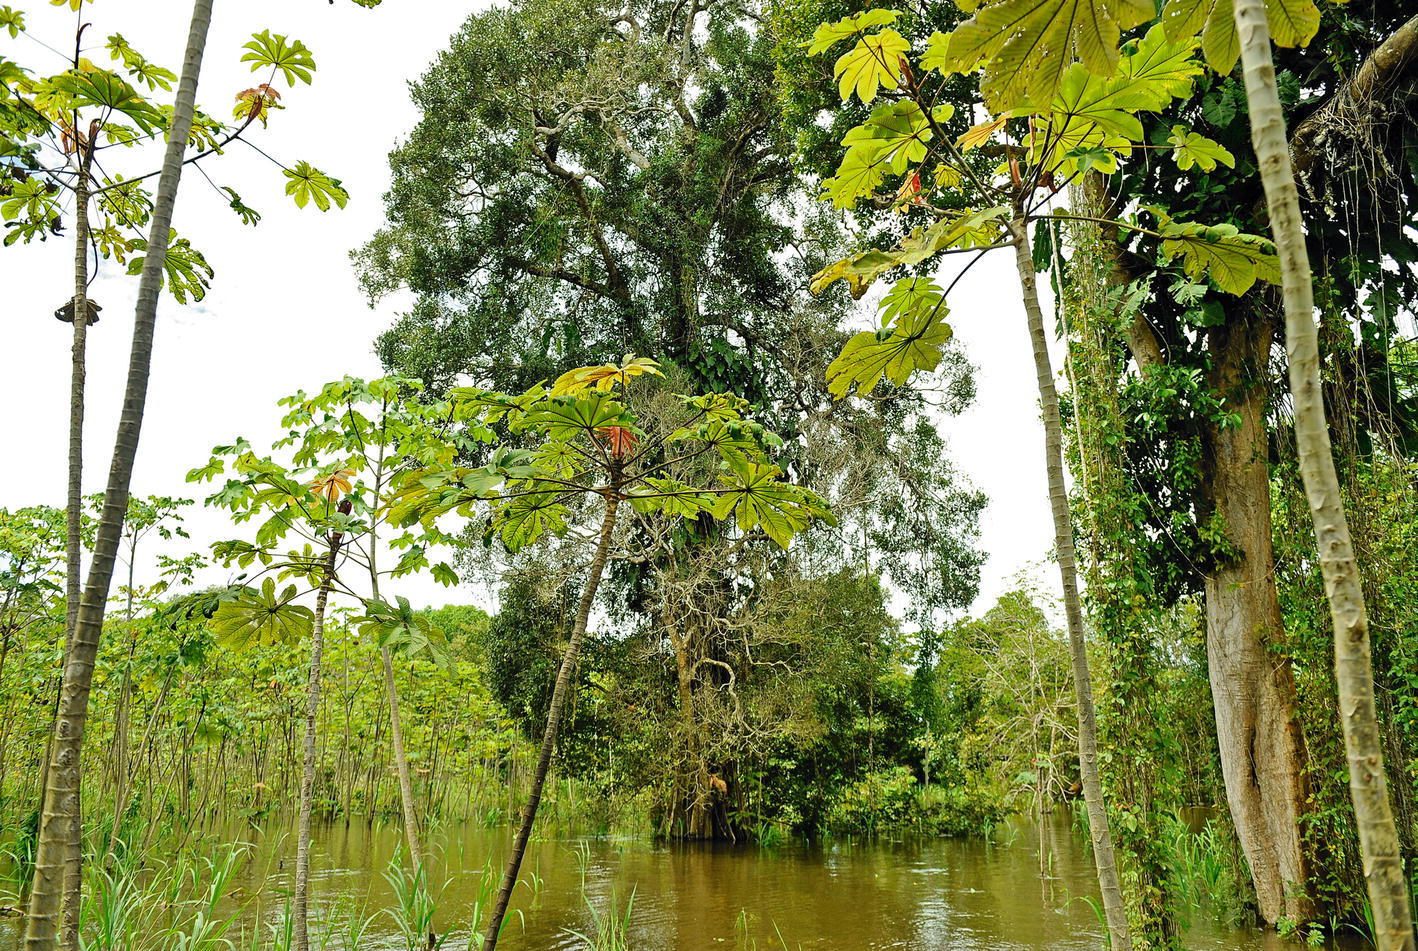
(925, 894)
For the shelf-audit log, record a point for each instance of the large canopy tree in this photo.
(590, 180)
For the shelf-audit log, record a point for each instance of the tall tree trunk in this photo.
(558, 703)
(391, 690)
(1368, 784)
(401, 761)
(74, 505)
(301, 900)
(1262, 750)
(60, 825)
(1109, 887)
(1263, 753)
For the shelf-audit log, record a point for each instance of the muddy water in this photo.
(924, 895)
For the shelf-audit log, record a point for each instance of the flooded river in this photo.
(924, 895)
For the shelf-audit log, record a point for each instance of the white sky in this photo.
(285, 312)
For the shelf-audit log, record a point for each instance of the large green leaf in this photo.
(307, 183)
(401, 629)
(1233, 260)
(874, 63)
(670, 497)
(526, 518)
(291, 57)
(1026, 46)
(758, 498)
(828, 35)
(1191, 148)
(565, 418)
(261, 617)
(966, 230)
(912, 344)
(1092, 112)
(1292, 23)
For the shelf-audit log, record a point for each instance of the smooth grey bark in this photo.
(1358, 714)
(1263, 753)
(1262, 749)
(1109, 885)
(300, 902)
(558, 704)
(60, 822)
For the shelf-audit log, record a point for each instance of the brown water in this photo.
(920, 894)
(924, 895)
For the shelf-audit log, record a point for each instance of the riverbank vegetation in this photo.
(729, 565)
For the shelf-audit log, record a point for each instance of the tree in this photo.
(57, 853)
(349, 440)
(1378, 836)
(589, 449)
(620, 181)
(1056, 118)
(45, 114)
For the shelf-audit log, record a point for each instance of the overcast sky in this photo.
(285, 312)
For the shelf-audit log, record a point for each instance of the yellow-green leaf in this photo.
(912, 344)
(874, 63)
(830, 34)
(1027, 45)
(1190, 148)
(1234, 261)
(1292, 23)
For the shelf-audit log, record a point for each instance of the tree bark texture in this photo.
(1263, 754)
(1368, 784)
(60, 822)
(1109, 886)
(300, 902)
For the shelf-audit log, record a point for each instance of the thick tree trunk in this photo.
(558, 704)
(1114, 910)
(60, 821)
(1263, 756)
(300, 902)
(1368, 785)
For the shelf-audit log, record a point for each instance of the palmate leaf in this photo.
(737, 441)
(291, 57)
(966, 230)
(858, 176)
(526, 518)
(1092, 112)
(1233, 260)
(186, 273)
(911, 295)
(874, 63)
(12, 21)
(106, 89)
(261, 617)
(829, 35)
(758, 498)
(1026, 46)
(566, 418)
(897, 352)
(671, 498)
(605, 376)
(307, 183)
(1190, 148)
(1292, 23)
(897, 131)
(402, 629)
